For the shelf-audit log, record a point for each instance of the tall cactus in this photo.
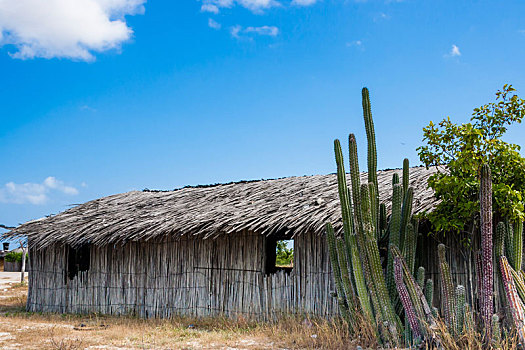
(376, 271)
(410, 312)
(371, 138)
(406, 214)
(406, 174)
(409, 246)
(394, 238)
(460, 308)
(509, 246)
(487, 286)
(420, 277)
(499, 241)
(348, 286)
(517, 245)
(429, 291)
(515, 304)
(336, 269)
(447, 288)
(496, 332)
(350, 234)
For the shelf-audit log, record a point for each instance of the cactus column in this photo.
(487, 283)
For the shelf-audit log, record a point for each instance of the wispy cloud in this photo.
(34, 193)
(213, 24)
(239, 32)
(381, 17)
(256, 6)
(210, 8)
(303, 2)
(264, 30)
(64, 28)
(87, 108)
(357, 44)
(454, 52)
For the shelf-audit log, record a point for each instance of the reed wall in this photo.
(185, 276)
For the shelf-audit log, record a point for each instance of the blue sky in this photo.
(125, 94)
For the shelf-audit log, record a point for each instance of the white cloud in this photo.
(303, 2)
(52, 183)
(256, 6)
(213, 24)
(454, 52)
(238, 31)
(73, 29)
(210, 8)
(34, 193)
(264, 30)
(235, 30)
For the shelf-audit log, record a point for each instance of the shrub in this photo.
(459, 150)
(14, 257)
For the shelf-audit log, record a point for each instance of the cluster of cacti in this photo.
(397, 298)
(360, 279)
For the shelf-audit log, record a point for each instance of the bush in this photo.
(461, 149)
(14, 257)
(284, 255)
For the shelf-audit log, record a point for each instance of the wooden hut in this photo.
(199, 251)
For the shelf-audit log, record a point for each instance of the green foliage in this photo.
(14, 257)
(462, 148)
(284, 254)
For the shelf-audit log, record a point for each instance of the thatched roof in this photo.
(289, 205)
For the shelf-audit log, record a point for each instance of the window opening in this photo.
(279, 254)
(77, 260)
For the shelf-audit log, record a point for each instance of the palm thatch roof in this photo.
(292, 205)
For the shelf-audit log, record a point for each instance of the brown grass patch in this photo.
(54, 331)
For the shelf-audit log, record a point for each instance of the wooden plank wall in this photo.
(185, 276)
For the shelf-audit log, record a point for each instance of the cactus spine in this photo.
(487, 286)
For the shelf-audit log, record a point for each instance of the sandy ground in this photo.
(9, 278)
(22, 330)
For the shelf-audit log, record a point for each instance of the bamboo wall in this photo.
(462, 261)
(185, 276)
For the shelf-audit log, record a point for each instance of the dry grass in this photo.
(19, 329)
(23, 330)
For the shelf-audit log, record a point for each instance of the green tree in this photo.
(284, 254)
(458, 150)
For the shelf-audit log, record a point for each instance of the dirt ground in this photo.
(22, 330)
